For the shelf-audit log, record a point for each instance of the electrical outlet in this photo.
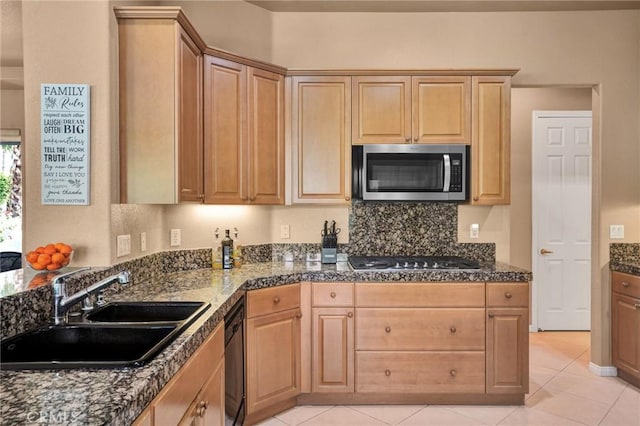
(123, 245)
(175, 237)
(284, 232)
(616, 231)
(474, 231)
(143, 241)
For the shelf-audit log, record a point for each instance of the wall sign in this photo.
(65, 152)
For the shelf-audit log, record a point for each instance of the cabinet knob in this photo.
(347, 198)
(244, 198)
(415, 139)
(333, 294)
(490, 314)
(453, 329)
(508, 295)
(407, 139)
(387, 329)
(350, 314)
(475, 198)
(252, 199)
(276, 299)
(387, 373)
(299, 315)
(453, 373)
(637, 305)
(625, 284)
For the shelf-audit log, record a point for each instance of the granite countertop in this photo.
(632, 268)
(118, 396)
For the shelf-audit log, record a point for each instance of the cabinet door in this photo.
(333, 350)
(625, 320)
(490, 141)
(273, 359)
(266, 137)
(190, 176)
(441, 109)
(507, 351)
(225, 86)
(321, 142)
(381, 110)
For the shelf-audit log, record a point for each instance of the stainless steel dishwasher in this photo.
(234, 365)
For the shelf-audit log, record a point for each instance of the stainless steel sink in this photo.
(129, 334)
(145, 311)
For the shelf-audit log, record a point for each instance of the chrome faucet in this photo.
(62, 303)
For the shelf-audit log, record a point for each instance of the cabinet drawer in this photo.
(507, 294)
(274, 299)
(174, 400)
(626, 284)
(420, 329)
(420, 372)
(332, 294)
(427, 295)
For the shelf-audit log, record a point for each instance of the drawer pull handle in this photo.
(333, 294)
(350, 314)
(453, 373)
(276, 299)
(490, 314)
(387, 329)
(508, 295)
(453, 329)
(625, 284)
(387, 373)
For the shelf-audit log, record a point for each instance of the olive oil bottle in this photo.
(227, 251)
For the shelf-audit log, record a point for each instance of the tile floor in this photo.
(562, 392)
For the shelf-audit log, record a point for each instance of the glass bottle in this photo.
(227, 251)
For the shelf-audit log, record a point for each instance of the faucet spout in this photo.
(62, 303)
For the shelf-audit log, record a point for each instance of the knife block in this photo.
(329, 255)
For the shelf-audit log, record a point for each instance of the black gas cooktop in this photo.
(416, 263)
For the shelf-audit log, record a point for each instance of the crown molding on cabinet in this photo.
(404, 72)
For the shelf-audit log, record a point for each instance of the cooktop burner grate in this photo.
(394, 263)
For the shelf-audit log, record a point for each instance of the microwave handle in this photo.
(447, 173)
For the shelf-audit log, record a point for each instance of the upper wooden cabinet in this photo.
(491, 141)
(160, 79)
(243, 134)
(418, 109)
(321, 142)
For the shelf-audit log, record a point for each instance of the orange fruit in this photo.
(53, 266)
(32, 257)
(65, 249)
(38, 266)
(57, 257)
(39, 250)
(50, 250)
(44, 259)
(65, 262)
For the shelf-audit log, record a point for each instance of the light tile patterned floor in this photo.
(562, 392)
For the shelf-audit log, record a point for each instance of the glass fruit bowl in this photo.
(51, 257)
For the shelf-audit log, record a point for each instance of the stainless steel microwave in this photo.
(410, 172)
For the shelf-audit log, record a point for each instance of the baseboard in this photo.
(606, 371)
(533, 329)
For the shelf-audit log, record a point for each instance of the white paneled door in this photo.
(562, 219)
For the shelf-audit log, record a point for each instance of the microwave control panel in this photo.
(456, 173)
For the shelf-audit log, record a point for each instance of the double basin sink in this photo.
(119, 334)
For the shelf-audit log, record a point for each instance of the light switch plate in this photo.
(143, 241)
(616, 231)
(123, 245)
(474, 231)
(284, 232)
(175, 237)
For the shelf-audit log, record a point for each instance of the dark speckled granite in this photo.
(625, 257)
(118, 396)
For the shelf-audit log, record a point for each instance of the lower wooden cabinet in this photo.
(625, 325)
(507, 350)
(272, 352)
(333, 350)
(195, 395)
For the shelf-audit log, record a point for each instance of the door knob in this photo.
(544, 251)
